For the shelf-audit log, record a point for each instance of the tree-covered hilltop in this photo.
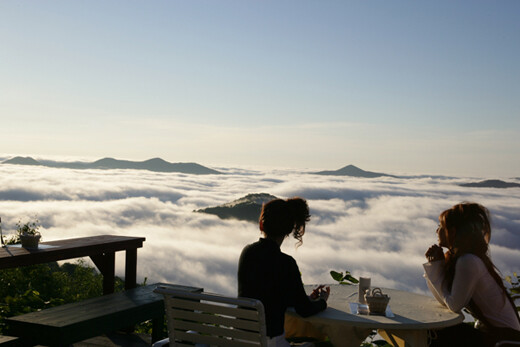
(246, 208)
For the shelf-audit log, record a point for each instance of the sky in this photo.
(378, 227)
(392, 86)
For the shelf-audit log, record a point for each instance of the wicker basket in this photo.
(376, 301)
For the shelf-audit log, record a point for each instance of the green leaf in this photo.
(337, 276)
(351, 279)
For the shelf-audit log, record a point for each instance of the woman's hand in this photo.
(320, 292)
(324, 293)
(434, 253)
(316, 292)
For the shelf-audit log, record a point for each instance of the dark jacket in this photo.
(267, 274)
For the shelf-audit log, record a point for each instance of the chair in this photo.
(212, 319)
(509, 343)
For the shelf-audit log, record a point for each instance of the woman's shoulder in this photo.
(287, 259)
(471, 261)
(250, 246)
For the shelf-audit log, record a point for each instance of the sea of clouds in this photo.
(374, 227)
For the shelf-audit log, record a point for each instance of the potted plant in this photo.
(28, 233)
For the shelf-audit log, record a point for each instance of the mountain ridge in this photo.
(154, 164)
(491, 184)
(160, 165)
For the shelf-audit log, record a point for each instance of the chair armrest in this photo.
(161, 343)
(507, 343)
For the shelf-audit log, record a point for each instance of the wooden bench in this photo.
(8, 341)
(74, 322)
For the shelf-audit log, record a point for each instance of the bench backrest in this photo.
(213, 319)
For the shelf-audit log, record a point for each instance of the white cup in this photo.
(364, 284)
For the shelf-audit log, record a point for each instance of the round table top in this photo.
(411, 311)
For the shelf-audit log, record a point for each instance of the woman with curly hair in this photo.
(267, 274)
(465, 277)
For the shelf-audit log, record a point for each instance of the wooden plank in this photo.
(208, 307)
(78, 321)
(213, 340)
(8, 341)
(75, 322)
(91, 308)
(215, 319)
(67, 249)
(217, 330)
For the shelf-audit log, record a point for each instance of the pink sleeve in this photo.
(434, 271)
(467, 273)
(468, 270)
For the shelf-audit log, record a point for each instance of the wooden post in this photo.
(106, 264)
(131, 268)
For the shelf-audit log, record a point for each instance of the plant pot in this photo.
(30, 241)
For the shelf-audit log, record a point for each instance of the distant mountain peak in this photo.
(352, 171)
(104, 160)
(22, 161)
(155, 160)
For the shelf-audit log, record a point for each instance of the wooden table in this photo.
(101, 249)
(414, 315)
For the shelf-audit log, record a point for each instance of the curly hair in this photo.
(280, 218)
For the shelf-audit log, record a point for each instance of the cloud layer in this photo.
(376, 227)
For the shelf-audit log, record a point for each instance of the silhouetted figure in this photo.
(273, 277)
(465, 277)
